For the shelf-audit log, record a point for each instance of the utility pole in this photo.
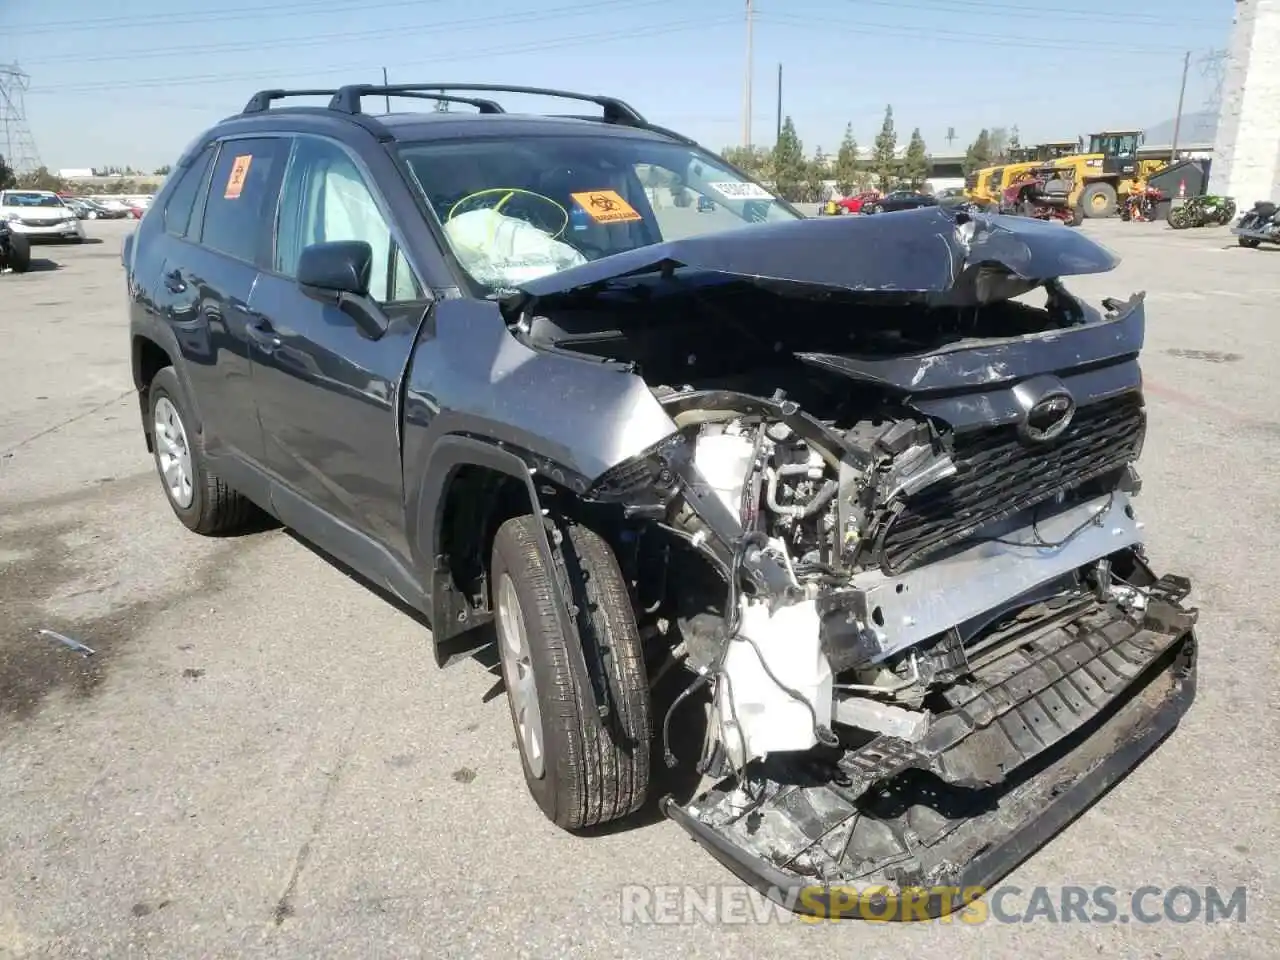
(746, 97)
(778, 135)
(387, 97)
(1177, 120)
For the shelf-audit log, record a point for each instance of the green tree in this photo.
(7, 178)
(846, 171)
(915, 166)
(978, 154)
(41, 179)
(756, 161)
(884, 161)
(788, 162)
(999, 138)
(818, 172)
(162, 171)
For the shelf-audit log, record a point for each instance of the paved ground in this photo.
(262, 759)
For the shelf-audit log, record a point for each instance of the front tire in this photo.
(582, 769)
(201, 500)
(1249, 242)
(1098, 200)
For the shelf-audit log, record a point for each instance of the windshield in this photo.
(515, 210)
(14, 198)
(1114, 144)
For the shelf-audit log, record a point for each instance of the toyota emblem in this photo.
(1048, 417)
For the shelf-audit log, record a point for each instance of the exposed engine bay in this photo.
(906, 541)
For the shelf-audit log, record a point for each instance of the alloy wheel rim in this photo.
(517, 674)
(173, 453)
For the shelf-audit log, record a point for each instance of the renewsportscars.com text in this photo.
(674, 904)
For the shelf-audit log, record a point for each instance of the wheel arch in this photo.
(148, 359)
(469, 488)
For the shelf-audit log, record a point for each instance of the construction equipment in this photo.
(1096, 182)
(989, 185)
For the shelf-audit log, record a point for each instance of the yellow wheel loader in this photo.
(1096, 183)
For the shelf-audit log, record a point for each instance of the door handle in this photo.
(173, 282)
(260, 332)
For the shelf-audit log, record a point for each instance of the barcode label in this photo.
(741, 191)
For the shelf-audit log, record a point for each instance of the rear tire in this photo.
(1250, 242)
(203, 502)
(1098, 200)
(1179, 219)
(19, 253)
(588, 770)
(1077, 216)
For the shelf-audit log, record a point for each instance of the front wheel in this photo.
(581, 768)
(1249, 242)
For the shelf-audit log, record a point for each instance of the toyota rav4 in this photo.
(867, 483)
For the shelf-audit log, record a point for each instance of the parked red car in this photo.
(855, 203)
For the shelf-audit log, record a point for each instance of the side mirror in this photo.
(338, 272)
(342, 266)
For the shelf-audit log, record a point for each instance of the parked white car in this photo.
(39, 214)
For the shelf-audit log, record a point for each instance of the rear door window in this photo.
(242, 196)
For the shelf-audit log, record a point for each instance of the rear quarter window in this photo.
(177, 211)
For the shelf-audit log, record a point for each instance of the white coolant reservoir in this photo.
(723, 460)
(764, 718)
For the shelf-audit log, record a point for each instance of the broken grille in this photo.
(998, 475)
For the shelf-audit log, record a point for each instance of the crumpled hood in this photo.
(946, 255)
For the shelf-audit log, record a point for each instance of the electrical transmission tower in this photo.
(17, 146)
(1213, 67)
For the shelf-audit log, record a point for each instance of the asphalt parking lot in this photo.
(262, 759)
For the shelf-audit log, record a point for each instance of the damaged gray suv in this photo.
(862, 487)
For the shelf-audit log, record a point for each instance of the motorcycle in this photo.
(1202, 212)
(1259, 225)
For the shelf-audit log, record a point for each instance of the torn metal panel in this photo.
(971, 365)
(927, 251)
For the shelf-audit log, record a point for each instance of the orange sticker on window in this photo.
(235, 182)
(606, 206)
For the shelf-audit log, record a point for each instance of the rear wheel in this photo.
(582, 769)
(1249, 242)
(1179, 218)
(1077, 216)
(19, 253)
(1098, 200)
(202, 501)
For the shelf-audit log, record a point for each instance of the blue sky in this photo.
(132, 82)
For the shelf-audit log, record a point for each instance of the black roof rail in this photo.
(261, 101)
(347, 99)
(484, 106)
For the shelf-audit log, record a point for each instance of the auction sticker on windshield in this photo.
(235, 182)
(741, 191)
(606, 206)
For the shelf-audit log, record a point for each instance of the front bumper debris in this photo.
(1041, 732)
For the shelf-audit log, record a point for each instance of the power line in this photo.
(986, 39)
(1075, 13)
(587, 39)
(226, 15)
(325, 39)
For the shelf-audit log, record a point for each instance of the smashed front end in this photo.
(900, 544)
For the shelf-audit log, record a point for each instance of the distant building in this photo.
(76, 174)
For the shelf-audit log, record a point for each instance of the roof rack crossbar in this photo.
(262, 100)
(484, 106)
(347, 99)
